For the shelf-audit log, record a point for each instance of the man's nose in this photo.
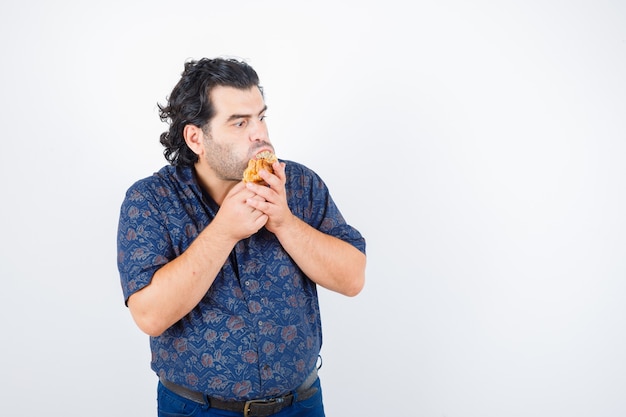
(258, 131)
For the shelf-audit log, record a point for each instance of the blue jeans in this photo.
(171, 404)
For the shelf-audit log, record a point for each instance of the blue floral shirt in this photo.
(257, 331)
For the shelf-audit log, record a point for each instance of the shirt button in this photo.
(247, 283)
(260, 323)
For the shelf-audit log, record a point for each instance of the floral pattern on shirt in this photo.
(257, 331)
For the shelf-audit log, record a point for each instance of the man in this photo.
(222, 274)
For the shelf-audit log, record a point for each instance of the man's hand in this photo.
(326, 260)
(272, 200)
(179, 285)
(236, 218)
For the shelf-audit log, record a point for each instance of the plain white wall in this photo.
(479, 146)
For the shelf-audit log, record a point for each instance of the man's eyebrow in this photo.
(245, 116)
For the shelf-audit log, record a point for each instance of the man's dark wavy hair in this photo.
(189, 102)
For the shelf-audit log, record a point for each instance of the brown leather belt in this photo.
(251, 408)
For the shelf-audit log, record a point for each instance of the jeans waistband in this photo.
(251, 408)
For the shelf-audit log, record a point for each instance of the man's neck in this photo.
(215, 187)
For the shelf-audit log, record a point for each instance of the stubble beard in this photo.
(223, 161)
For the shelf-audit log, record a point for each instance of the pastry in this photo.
(263, 160)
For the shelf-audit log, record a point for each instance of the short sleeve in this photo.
(310, 199)
(143, 244)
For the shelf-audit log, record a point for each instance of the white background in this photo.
(478, 145)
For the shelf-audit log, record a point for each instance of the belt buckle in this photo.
(248, 405)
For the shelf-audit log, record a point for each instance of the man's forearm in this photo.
(178, 286)
(327, 260)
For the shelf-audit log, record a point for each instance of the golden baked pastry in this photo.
(263, 160)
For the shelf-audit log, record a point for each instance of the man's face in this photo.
(236, 133)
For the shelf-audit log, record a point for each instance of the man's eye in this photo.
(241, 123)
(262, 118)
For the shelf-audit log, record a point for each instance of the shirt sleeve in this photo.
(143, 243)
(310, 199)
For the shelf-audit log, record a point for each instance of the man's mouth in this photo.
(264, 153)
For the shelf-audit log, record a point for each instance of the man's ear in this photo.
(194, 137)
